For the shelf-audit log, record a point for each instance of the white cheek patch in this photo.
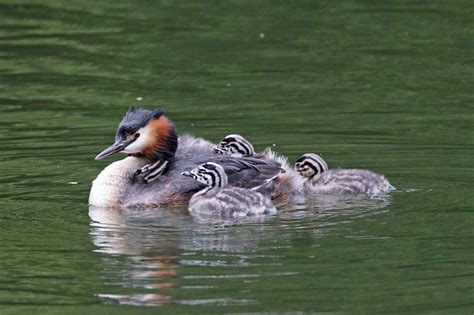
(141, 143)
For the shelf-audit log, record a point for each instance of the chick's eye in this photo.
(136, 135)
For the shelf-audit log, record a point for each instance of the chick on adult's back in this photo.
(235, 145)
(218, 199)
(288, 182)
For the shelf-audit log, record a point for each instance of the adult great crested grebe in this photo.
(319, 179)
(151, 174)
(219, 199)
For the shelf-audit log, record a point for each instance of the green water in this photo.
(385, 85)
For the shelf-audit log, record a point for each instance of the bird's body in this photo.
(348, 181)
(319, 179)
(233, 202)
(219, 199)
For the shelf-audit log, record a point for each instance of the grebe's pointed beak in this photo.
(118, 146)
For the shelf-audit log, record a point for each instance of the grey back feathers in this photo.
(235, 145)
(310, 164)
(349, 181)
(245, 172)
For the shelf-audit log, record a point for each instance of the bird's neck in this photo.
(314, 178)
(208, 191)
(163, 140)
(222, 182)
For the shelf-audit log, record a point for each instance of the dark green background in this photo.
(385, 85)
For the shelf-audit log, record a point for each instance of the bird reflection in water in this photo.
(147, 252)
(144, 248)
(139, 253)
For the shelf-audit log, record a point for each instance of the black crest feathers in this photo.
(157, 113)
(135, 118)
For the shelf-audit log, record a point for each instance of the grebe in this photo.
(146, 134)
(151, 174)
(219, 199)
(235, 145)
(319, 179)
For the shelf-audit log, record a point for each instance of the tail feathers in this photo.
(390, 187)
(291, 180)
(265, 188)
(270, 154)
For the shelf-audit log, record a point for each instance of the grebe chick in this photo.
(235, 145)
(319, 179)
(219, 199)
(147, 134)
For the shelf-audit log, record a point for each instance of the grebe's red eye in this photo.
(136, 135)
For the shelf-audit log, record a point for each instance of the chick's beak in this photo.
(118, 146)
(188, 174)
(219, 150)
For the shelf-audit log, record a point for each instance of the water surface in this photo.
(385, 86)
